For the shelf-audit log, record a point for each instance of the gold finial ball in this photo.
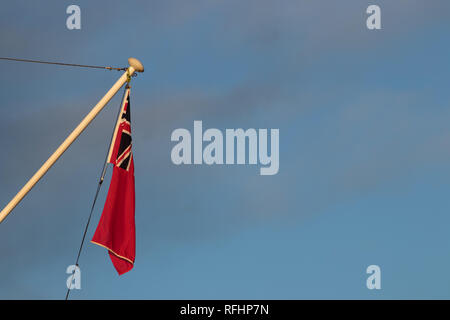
(136, 64)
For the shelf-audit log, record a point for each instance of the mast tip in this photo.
(136, 64)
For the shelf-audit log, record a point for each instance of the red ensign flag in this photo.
(116, 229)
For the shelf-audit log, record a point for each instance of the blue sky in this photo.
(364, 148)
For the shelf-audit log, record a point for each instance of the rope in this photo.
(63, 64)
(100, 182)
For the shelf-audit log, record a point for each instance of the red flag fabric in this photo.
(116, 229)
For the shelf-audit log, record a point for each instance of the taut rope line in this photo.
(63, 64)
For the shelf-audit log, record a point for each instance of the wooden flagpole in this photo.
(135, 66)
